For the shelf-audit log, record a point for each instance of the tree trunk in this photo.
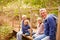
(58, 27)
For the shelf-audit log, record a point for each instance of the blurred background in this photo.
(12, 10)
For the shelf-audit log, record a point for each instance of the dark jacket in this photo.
(50, 27)
(25, 28)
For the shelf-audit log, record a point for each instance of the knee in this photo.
(19, 34)
(35, 39)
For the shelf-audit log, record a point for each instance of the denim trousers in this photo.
(19, 35)
(40, 37)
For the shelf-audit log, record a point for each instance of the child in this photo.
(25, 30)
(40, 27)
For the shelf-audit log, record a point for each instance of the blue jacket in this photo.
(25, 28)
(50, 27)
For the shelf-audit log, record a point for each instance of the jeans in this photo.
(19, 35)
(46, 38)
(35, 35)
(40, 37)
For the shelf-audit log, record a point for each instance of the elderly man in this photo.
(19, 34)
(49, 26)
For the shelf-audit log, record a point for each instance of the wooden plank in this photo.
(30, 23)
(28, 37)
(58, 27)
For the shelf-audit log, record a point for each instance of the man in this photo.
(49, 26)
(19, 34)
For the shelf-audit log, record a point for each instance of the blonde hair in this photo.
(26, 21)
(39, 18)
(24, 16)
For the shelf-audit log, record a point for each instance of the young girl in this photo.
(40, 28)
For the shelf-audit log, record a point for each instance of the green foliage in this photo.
(42, 3)
(4, 2)
(4, 31)
(16, 12)
(54, 12)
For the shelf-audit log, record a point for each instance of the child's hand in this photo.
(29, 30)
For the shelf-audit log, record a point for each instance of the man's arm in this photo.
(52, 28)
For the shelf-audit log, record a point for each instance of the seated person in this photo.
(25, 30)
(40, 27)
(50, 24)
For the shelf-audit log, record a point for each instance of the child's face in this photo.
(25, 23)
(39, 21)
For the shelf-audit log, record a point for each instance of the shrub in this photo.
(5, 32)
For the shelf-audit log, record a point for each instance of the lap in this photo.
(40, 37)
(46, 38)
(35, 35)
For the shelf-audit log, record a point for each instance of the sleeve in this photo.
(28, 27)
(51, 28)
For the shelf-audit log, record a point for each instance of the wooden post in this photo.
(20, 14)
(58, 27)
(30, 23)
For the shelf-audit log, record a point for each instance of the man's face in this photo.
(43, 14)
